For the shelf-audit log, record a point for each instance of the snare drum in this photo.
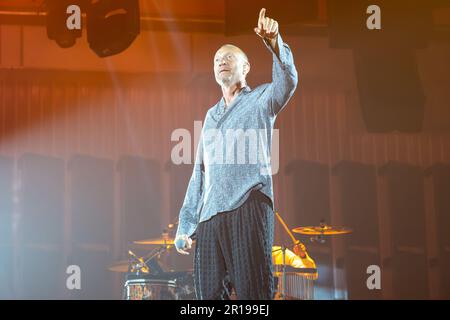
(167, 286)
(150, 289)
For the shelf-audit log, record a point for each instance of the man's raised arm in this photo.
(284, 73)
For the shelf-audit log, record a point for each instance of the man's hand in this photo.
(267, 28)
(183, 242)
(300, 250)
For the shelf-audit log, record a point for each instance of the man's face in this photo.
(230, 66)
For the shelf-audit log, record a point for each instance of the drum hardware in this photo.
(119, 266)
(145, 279)
(165, 240)
(299, 283)
(139, 267)
(149, 289)
(318, 232)
(283, 272)
(319, 239)
(147, 264)
(165, 286)
(295, 273)
(294, 276)
(306, 287)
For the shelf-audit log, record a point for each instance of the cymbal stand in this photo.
(157, 252)
(138, 266)
(283, 274)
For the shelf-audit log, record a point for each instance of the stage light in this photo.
(63, 21)
(112, 25)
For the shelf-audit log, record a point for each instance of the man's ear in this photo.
(246, 68)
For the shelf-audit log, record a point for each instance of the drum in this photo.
(299, 283)
(167, 286)
(150, 289)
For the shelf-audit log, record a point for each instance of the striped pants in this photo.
(234, 251)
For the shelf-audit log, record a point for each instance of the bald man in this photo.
(229, 200)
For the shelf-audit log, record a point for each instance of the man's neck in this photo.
(231, 92)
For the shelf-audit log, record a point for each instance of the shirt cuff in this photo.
(185, 229)
(282, 47)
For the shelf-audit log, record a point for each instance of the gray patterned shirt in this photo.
(227, 170)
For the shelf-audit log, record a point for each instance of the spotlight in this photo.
(61, 14)
(113, 25)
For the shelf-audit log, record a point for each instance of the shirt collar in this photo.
(221, 104)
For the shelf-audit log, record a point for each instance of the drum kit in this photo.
(146, 279)
(294, 271)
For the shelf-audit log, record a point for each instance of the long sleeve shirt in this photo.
(230, 162)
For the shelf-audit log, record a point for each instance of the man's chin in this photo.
(224, 82)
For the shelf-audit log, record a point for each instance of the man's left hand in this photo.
(267, 27)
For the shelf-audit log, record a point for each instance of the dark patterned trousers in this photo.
(234, 251)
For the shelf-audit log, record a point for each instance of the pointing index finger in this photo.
(262, 14)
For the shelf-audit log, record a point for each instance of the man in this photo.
(229, 206)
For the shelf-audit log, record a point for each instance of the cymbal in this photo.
(123, 265)
(119, 266)
(322, 230)
(160, 241)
